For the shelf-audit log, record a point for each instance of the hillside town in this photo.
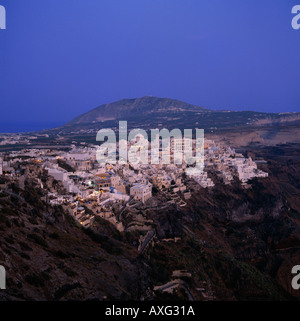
(88, 189)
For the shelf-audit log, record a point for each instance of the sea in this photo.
(27, 127)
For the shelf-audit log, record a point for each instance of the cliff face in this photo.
(49, 257)
(236, 243)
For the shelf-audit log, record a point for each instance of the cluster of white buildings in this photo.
(105, 189)
(227, 163)
(247, 169)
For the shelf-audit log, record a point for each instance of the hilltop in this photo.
(129, 108)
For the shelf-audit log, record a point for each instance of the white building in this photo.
(57, 175)
(115, 180)
(82, 160)
(141, 192)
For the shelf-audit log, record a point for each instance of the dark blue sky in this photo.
(61, 58)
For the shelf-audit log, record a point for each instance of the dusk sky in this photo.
(61, 58)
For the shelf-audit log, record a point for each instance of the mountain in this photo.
(236, 128)
(129, 108)
(154, 112)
